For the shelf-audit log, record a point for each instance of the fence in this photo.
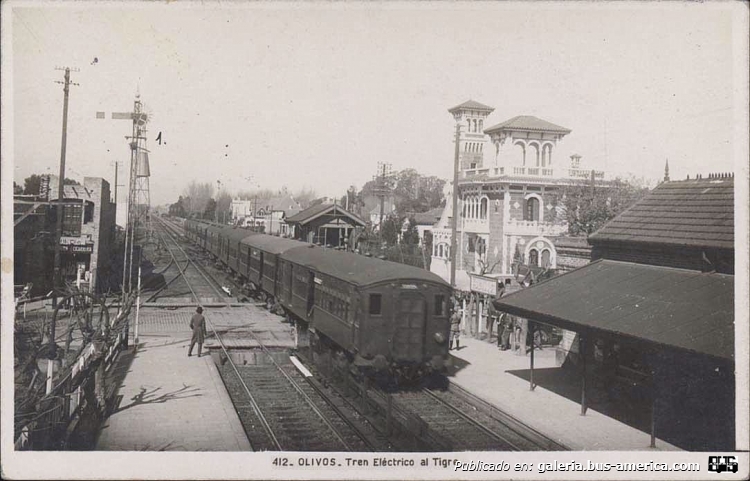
(65, 402)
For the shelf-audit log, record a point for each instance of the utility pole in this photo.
(454, 220)
(117, 168)
(56, 282)
(383, 174)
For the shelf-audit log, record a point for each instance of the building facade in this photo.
(511, 179)
(88, 236)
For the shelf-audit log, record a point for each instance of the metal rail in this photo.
(472, 421)
(253, 402)
(294, 384)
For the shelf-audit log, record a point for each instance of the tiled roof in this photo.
(317, 210)
(697, 213)
(681, 308)
(428, 218)
(471, 105)
(527, 122)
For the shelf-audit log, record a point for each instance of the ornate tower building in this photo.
(510, 198)
(471, 117)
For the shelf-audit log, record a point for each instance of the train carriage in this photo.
(369, 307)
(233, 237)
(264, 251)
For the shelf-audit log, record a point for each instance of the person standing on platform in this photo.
(455, 326)
(505, 329)
(198, 325)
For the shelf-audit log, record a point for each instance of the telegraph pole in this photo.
(382, 190)
(56, 281)
(454, 220)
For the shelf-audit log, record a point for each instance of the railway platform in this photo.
(501, 378)
(168, 401)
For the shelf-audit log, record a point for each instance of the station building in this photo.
(652, 316)
(325, 224)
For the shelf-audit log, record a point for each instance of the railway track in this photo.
(188, 278)
(278, 408)
(302, 415)
(442, 420)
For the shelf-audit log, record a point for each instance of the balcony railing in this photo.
(535, 228)
(532, 172)
(479, 226)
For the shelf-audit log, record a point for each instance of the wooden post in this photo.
(531, 374)
(582, 352)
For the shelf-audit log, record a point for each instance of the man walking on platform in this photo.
(198, 325)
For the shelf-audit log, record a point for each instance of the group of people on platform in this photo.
(512, 331)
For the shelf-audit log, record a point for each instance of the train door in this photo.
(310, 292)
(409, 319)
(261, 267)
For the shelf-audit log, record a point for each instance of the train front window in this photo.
(376, 304)
(439, 305)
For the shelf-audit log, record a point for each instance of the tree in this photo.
(223, 204)
(31, 184)
(305, 196)
(68, 181)
(210, 209)
(17, 189)
(198, 195)
(391, 228)
(411, 235)
(178, 208)
(589, 206)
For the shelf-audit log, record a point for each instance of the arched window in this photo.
(481, 128)
(440, 250)
(532, 209)
(534, 258)
(545, 258)
(468, 125)
(523, 153)
(475, 125)
(483, 208)
(537, 154)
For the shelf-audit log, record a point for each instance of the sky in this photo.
(315, 95)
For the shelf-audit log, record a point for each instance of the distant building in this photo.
(326, 224)
(424, 222)
(268, 215)
(389, 207)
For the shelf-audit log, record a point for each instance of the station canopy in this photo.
(680, 308)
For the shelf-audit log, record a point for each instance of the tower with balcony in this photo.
(510, 197)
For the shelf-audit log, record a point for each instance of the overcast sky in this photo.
(316, 95)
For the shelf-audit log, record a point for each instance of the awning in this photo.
(680, 308)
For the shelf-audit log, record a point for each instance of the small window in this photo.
(376, 304)
(439, 305)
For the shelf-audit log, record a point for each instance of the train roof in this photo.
(236, 234)
(272, 244)
(357, 269)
